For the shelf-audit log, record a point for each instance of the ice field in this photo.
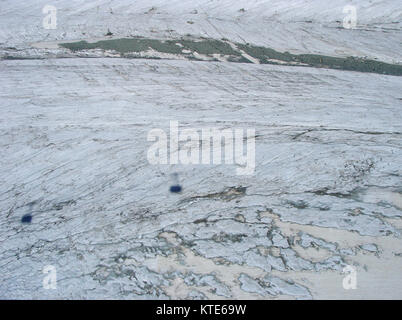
(325, 194)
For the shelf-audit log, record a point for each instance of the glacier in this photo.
(326, 193)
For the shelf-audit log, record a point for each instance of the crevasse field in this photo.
(322, 207)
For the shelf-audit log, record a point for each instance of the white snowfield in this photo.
(325, 196)
(297, 26)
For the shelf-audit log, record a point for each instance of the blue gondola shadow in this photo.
(175, 189)
(26, 218)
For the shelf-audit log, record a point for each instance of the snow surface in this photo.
(73, 134)
(297, 26)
